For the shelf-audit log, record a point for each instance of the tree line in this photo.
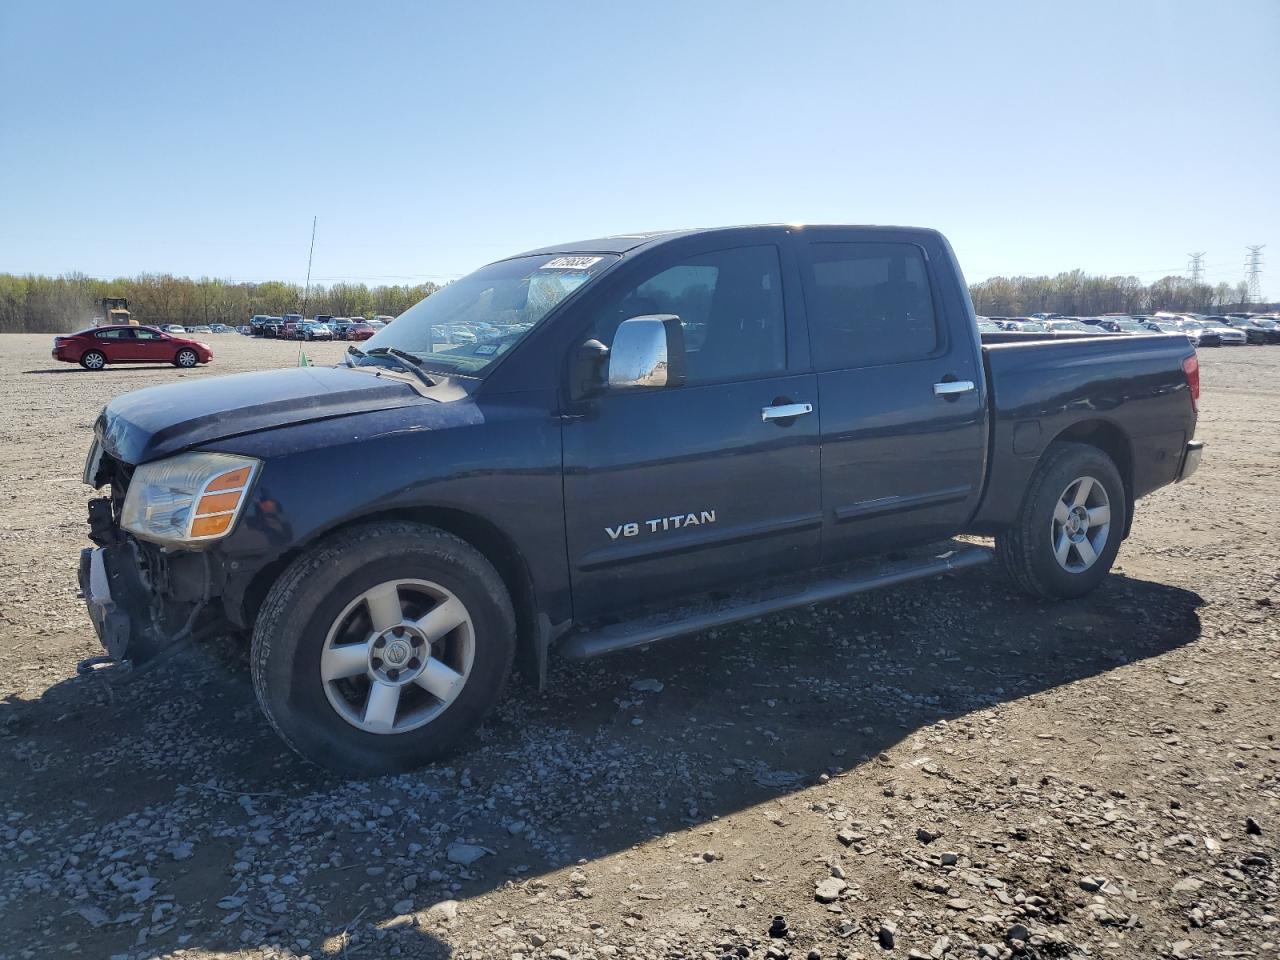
(1081, 295)
(40, 304)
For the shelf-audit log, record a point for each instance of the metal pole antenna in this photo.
(306, 291)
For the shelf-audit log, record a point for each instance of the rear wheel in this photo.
(93, 360)
(186, 358)
(1068, 531)
(383, 648)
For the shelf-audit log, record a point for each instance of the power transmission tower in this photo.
(1253, 272)
(1196, 266)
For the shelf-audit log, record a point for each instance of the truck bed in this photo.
(1128, 394)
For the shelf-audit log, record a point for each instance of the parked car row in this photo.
(178, 328)
(1232, 329)
(293, 326)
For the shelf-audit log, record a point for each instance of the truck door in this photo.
(678, 489)
(900, 393)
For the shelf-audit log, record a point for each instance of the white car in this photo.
(1196, 332)
(317, 331)
(1074, 326)
(1173, 326)
(1231, 336)
(174, 328)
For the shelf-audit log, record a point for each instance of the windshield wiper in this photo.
(403, 358)
(353, 351)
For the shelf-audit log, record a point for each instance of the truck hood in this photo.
(158, 421)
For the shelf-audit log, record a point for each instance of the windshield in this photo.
(466, 326)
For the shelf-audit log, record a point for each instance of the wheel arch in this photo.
(1115, 443)
(488, 538)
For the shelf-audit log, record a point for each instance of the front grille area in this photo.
(117, 474)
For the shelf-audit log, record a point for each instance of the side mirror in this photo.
(647, 352)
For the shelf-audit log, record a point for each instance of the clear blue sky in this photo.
(430, 138)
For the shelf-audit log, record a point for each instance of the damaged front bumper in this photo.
(133, 623)
(109, 621)
(119, 606)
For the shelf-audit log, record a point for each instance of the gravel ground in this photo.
(943, 770)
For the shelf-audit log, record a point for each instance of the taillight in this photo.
(1191, 367)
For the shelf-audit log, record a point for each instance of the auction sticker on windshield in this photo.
(570, 263)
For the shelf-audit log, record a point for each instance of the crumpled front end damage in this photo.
(141, 599)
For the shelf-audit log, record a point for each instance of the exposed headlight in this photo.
(188, 498)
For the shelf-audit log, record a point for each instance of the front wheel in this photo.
(1068, 531)
(382, 648)
(186, 359)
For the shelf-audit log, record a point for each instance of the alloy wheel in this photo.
(1081, 524)
(397, 656)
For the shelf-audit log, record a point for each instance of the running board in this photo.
(694, 618)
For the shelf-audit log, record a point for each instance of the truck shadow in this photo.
(175, 776)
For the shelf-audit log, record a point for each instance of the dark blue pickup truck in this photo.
(605, 444)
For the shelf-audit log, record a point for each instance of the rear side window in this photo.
(868, 304)
(112, 334)
(730, 305)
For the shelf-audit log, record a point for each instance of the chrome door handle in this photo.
(951, 387)
(785, 410)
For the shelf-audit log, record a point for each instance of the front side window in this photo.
(730, 306)
(868, 304)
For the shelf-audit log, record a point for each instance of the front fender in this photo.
(498, 461)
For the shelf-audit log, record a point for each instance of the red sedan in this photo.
(94, 349)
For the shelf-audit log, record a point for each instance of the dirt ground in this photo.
(960, 771)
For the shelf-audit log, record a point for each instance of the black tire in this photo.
(311, 596)
(93, 360)
(186, 358)
(1027, 548)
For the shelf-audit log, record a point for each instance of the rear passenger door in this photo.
(116, 343)
(152, 345)
(900, 392)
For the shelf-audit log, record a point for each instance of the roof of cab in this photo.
(627, 242)
(622, 243)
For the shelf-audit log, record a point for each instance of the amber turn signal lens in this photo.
(230, 481)
(211, 526)
(218, 502)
